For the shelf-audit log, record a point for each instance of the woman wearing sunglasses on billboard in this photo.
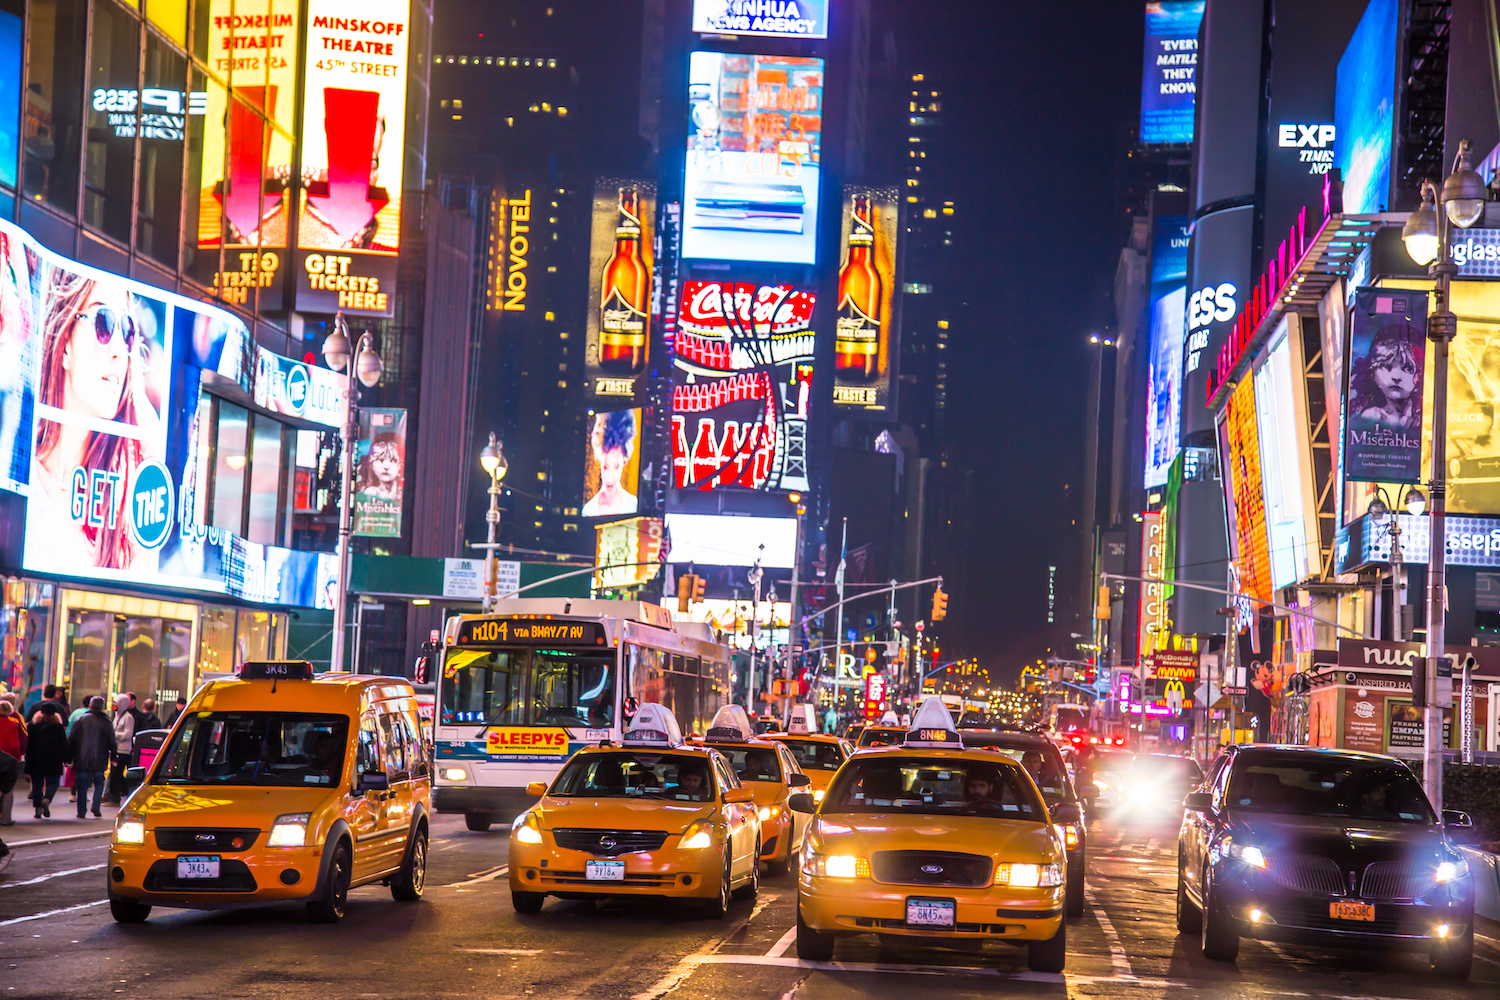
(94, 370)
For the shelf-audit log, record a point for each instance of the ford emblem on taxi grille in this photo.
(933, 869)
(607, 842)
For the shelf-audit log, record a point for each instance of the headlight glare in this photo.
(765, 813)
(289, 830)
(698, 836)
(1447, 871)
(1252, 856)
(818, 795)
(130, 829)
(841, 866)
(526, 829)
(455, 774)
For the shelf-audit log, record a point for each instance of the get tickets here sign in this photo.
(530, 744)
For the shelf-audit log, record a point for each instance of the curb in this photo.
(15, 844)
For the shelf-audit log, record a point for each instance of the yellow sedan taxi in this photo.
(818, 755)
(930, 841)
(771, 773)
(650, 816)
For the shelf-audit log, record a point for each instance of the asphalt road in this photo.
(463, 940)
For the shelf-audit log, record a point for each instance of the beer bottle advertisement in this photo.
(865, 335)
(621, 261)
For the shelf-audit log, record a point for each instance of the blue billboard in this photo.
(1364, 116)
(1169, 77)
(1167, 305)
(779, 18)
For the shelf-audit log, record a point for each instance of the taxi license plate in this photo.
(604, 871)
(930, 913)
(197, 866)
(1348, 909)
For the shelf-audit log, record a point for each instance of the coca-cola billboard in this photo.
(741, 381)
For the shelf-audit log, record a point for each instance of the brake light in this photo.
(1071, 834)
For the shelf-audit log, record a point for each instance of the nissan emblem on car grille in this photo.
(607, 842)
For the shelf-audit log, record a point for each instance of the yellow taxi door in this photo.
(738, 819)
(395, 819)
(365, 810)
(799, 821)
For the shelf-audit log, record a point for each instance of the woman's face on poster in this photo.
(385, 463)
(97, 358)
(1393, 373)
(611, 468)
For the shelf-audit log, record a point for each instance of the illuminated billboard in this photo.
(101, 389)
(742, 363)
(627, 553)
(1383, 412)
(753, 152)
(380, 472)
(1168, 304)
(775, 18)
(867, 343)
(1169, 78)
(1285, 464)
(728, 540)
(621, 262)
(1246, 494)
(353, 128)
(612, 464)
(1364, 115)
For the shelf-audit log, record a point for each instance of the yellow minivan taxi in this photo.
(931, 840)
(278, 786)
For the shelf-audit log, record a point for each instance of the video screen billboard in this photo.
(621, 266)
(1383, 413)
(754, 147)
(627, 552)
(611, 469)
(103, 431)
(1364, 115)
(778, 18)
(1285, 466)
(1168, 304)
(10, 95)
(1246, 494)
(353, 139)
(867, 335)
(726, 540)
(380, 472)
(1169, 78)
(742, 364)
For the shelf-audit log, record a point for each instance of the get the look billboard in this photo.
(866, 337)
(620, 274)
(612, 464)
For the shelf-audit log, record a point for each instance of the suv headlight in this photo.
(526, 829)
(699, 835)
(289, 830)
(1252, 856)
(130, 828)
(1448, 871)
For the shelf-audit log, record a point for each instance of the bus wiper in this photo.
(493, 720)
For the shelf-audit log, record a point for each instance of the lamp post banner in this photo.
(1383, 401)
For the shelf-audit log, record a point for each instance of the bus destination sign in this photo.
(531, 632)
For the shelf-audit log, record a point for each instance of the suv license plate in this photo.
(604, 871)
(197, 866)
(1349, 909)
(930, 913)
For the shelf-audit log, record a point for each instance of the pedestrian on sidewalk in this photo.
(92, 743)
(148, 719)
(12, 749)
(47, 753)
(124, 725)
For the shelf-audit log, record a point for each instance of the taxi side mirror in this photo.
(799, 780)
(1199, 802)
(732, 795)
(1067, 812)
(372, 781)
(536, 788)
(801, 802)
(134, 776)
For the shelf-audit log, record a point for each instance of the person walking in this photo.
(124, 725)
(92, 743)
(47, 753)
(148, 719)
(176, 711)
(12, 749)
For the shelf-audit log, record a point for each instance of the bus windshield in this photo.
(528, 687)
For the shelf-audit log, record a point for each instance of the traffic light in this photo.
(1102, 611)
(698, 582)
(939, 605)
(689, 591)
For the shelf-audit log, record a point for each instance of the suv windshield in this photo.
(815, 755)
(636, 775)
(1309, 785)
(256, 748)
(917, 785)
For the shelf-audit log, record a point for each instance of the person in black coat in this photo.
(93, 745)
(47, 753)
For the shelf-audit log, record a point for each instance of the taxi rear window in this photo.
(815, 755)
(881, 737)
(636, 776)
(944, 786)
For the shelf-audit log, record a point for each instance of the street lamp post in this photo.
(492, 460)
(367, 369)
(1378, 509)
(1428, 238)
(793, 623)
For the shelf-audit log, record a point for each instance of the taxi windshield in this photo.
(636, 776)
(932, 786)
(881, 736)
(815, 755)
(752, 763)
(256, 748)
(528, 687)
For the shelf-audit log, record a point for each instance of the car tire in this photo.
(478, 822)
(527, 902)
(717, 907)
(1454, 959)
(409, 882)
(1074, 899)
(1049, 955)
(751, 889)
(812, 946)
(782, 867)
(128, 911)
(1189, 917)
(329, 908)
(1218, 935)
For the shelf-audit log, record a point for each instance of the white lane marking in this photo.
(779, 948)
(43, 878)
(1117, 956)
(56, 840)
(51, 913)
(684, 968)
(918, 970)
(519, 952)
(488, 875)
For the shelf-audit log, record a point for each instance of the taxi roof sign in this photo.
(890, 718)
(802, 720)
(276, 670)
(730, 724)
(653, 725)
(932, 726)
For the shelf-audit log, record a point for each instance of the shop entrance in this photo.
(108, 652)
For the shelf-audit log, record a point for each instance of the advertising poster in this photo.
(1364, 110)
(754, 148)
(10, 95)
(779, 18)
(1406, 725)
(1246, 494)
(1168, 304)
(109, 377)
(612, 464)
(380, 472)
(1383, 412)
(1169, 79)
(741, 380)
(353, 122)
(621, 265)
(1152, 611)
(1362, 712)
(866, 337)
(621, 545)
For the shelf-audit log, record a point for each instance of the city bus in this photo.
(522, 688)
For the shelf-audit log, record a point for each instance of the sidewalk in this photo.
(64, 822)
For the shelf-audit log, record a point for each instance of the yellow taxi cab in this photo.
(929, 840)
(881, 736)
(819, 755)
(770, 771)
(650, 816)
(277, 786)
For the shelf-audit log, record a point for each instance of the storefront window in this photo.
(25, 625)
(163, 123)
(109, 157)
(201, 218)
(54, 101)
(86, 658)
(254, 639)
(266, 492)
(230, 458)
(216, 641)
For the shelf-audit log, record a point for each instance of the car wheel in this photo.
(1189, 917)
(128, 911)
(751, 889)
(527, 902)
(812, 946)
(718, 906)
(1049, 955)
(783, 866)
(1074, 901)
(1219, 936)
(329, 908)
(409, 881)
(1454, 959)
(478, 822)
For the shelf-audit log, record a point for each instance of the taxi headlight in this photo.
(1029, 876)
(455, 774)
(698, 836)
(1447, 871)
(289, 830)
(836, 866)
(526, 830)
(130, 829)
(818, 795)
(765, 813)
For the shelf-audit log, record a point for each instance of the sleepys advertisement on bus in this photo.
(525, 744)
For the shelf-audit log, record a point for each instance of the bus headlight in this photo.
(526, 829)
(455, 774)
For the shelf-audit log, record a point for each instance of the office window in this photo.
(201, 220)
(163, 122)
(109, 154)
(266, 476)
(171, 16)
(230, 458)
(54, 102)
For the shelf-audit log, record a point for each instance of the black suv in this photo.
(1323, 847)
